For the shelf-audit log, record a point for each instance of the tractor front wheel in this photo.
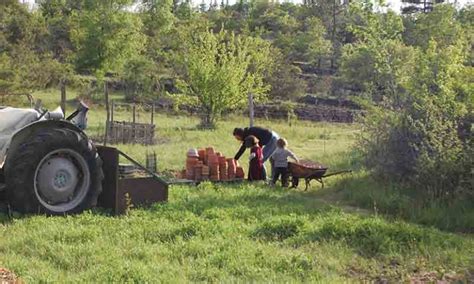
(56, 171)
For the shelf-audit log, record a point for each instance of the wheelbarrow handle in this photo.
(337, 173)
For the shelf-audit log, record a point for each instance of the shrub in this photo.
(141, 78)
(414, 138)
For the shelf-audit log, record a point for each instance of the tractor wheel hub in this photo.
(57, 179)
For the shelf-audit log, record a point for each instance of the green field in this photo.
(247, 232)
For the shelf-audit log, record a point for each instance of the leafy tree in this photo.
(158, 15)
(378, 61)
(285, 80)
(141, 78)
(22, 71)
(25, 64)
(440, 25)
(333, 15)
(309, 44)
(57, 15)
(105, 35)
(221, 69)
(269, 17)
(414, 6)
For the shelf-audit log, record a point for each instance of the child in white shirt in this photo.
(280, 162)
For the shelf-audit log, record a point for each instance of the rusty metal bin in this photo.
(119, 193)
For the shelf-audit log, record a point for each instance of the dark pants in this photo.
(284, 176)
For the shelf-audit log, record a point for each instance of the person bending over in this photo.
(267, 140)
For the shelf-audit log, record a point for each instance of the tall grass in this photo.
(403, 202)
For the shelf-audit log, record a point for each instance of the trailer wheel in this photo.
(55, 171)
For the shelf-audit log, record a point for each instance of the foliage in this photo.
(221, 69)
(418, 140)
(416, 98)
(104, 36)
(24, 65)
(140, 78)
(285, 80)
(157, 15)
(378, 60)
(440, 26)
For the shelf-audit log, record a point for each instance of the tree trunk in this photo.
(208, 120)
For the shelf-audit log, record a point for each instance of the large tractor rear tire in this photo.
(55, 171)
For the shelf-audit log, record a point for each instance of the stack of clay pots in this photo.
(191, 163)
(207, 164)
(223, 168)
(213, 164)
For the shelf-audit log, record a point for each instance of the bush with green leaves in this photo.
(141, 78)
(285, 81)
(417, 139)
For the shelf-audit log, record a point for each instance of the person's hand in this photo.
(252, 156)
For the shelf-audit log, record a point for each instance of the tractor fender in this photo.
(19, 137)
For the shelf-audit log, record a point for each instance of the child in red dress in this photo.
(256, 158)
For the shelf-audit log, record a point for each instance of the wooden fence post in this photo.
(134, 113)
(112, 109)
(106, 93)
(153, 113)
(251, 109)
(63, 97)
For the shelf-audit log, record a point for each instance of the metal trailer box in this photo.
(118, 194)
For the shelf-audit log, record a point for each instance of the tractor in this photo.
(48, 165)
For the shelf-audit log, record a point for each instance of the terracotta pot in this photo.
(214, 177)
(205, 172)
(212, 159)
(190, 173)
(214, 169)
(231, 168)
(202, 154)
(240, 173)
(222, 160)
(210, 150)
(223, 168)
(198, 172)
(231, 162)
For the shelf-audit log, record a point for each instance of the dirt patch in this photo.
(8, 277)
(434, 277)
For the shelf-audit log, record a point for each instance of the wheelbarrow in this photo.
(309, 170)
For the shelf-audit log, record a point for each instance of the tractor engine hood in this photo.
(11, 121)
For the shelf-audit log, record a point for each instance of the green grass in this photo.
(240, 232)
(246, 232)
